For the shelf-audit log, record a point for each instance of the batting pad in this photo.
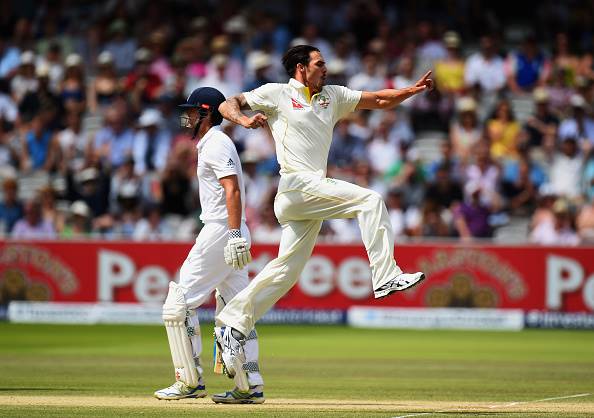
(174, 317)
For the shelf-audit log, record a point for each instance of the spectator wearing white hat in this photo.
(449, 71)
(566, 169)
(258, 63)
(152, 143)
(542, 125)
(579, 126)
(78, 223)
(558, 231)
(465, 130)
(105, 87)
(73, 88)
(25, 81)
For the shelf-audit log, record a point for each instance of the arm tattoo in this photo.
(233, 107)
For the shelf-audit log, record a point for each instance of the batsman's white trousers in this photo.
(205, 270)
(303, 201)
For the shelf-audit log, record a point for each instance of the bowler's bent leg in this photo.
(278, 276)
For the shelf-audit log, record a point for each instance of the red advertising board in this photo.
(336, 277)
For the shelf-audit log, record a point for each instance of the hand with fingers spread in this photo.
(255, 122)
(424, 83)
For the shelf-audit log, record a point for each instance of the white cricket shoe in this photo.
(255, 395)
(180, 390)
(401, 282)
(231, 342)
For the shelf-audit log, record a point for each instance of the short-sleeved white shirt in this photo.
(302, 125)
(217, 158)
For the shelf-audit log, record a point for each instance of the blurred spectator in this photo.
(91, 186)
(151, 143)
(124, 182)
(11, 209)
(73, 142)
(152, 227)
(449, 71)
(8, 108)
(484, 175)
(403, 220)
(409, 175)
(259, 62)
(472, 216)
(72, 91)
(559, 231)
(580, 126)
(444, 191)
(55, 69)
(465, 131)
(105, 86)
(114, 142)
(42, 101)
(160, 65)
(563, 60)
(527, 68)
(585, 222)
(267, 231)
(141, 84)
(519, 188)
(485, 69)
(175, 189)
(49, 212)
(503, 131)
(40, 148)
(121, 47)
(541, 127)
(382, 152)
(33, 226)
(24, 81)
(217, 77)
(432, 223)
(9, 147)
(369, 79)
(78, 223)
(566, 169)
(9, 56)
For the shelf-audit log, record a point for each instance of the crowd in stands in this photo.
(88, 114)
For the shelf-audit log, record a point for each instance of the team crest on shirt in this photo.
(296, 104)
(323, 101)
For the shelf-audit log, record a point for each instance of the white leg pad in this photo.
(175, 317)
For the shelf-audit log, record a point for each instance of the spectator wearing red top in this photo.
(143, 86)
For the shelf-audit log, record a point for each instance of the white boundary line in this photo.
(442, 411)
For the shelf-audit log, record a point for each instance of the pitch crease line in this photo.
(579, 395)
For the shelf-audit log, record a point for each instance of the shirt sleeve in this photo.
(346, 100)
(222, 160)
(264, 98)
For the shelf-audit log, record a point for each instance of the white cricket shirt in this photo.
(217, 158)
(302, 125)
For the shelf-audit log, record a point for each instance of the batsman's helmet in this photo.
(206, 99)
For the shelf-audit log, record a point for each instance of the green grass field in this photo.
(315, 371)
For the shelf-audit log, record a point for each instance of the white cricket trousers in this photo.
(204, 271)
(303, 201)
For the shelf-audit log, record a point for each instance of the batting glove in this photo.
(237, 250)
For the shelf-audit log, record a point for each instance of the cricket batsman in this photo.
(216, 262)
(301, 115)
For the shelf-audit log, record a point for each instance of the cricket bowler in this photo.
(301, 115)
(216, 262)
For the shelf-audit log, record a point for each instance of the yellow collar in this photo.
(301, 88)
